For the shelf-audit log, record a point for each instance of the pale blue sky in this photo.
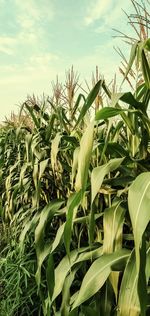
(42, 38)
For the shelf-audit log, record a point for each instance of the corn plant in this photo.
(75, 201)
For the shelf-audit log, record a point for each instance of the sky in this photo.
(40, 39)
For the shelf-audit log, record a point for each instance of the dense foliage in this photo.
(75, 201)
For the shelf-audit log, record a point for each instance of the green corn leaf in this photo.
(142, 285)
(47, 213)
(147, 44)
(66, 292)
(39, 110)
(88, 311)
(108, 112)
(43, 250)
(43, 165)
(76, 257)
(84, 156)
(75, 313)
(58, 237)
(79, 98)
(98, 174)
(139, 205)
(75, 164)
(35, 173)
(116, 149)
(113, 225)
(141, 90)
(50, 275)
(130, 99)
(104, 299)
(89, 101)
(50, 127)
(128, 303)
(34, 118)
(42, 254)
(28, 140)
(89, 254)
(28, 225)
(97, 177)
(145, 69)
(61, 272)
(23, 171)
(131, 60)
(98, 274)
(73, 204)
(55, 149)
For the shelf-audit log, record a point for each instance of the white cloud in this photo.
(32, 12)
(36, 66)
(103, 56)
(43, 60)
(10, 45)
(97, 10)
(25, 22)
(6, 50)
(7, 44)
(30, 37)
(30, 15)
(115, 15)
(108, 12)
(34, 76)
(28, 7)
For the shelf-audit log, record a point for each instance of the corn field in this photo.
(75, 199)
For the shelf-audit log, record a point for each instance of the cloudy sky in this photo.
(42, 38)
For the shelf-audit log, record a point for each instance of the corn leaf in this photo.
(98, 274)
(145, 69)
(113, 224)
(73, 204)
(84, 156)
(76, 257)
(98, 174)
(54, 150)
(131, 60)
(43, 165)
(108, 112)
(90, 99)
(43, 250)
(128, 303)
(139, 205)
(74, 164)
